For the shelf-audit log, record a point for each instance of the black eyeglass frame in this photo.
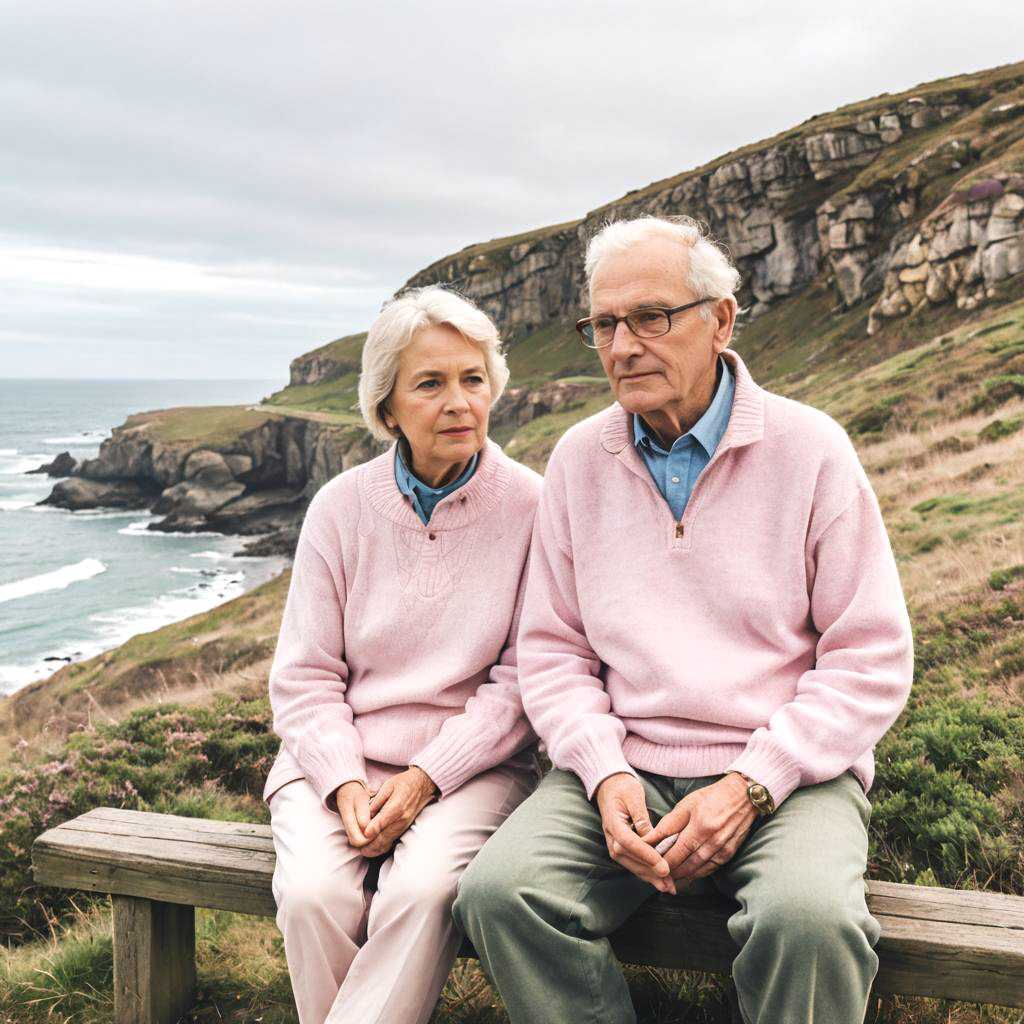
(588, 321)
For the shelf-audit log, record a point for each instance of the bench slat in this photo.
(168, 882)
(206, 826)
(116, 831)
(959, 906)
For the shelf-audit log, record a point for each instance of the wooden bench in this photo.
(944, 943)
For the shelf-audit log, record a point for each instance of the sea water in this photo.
(73, 584)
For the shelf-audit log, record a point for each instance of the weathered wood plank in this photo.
(173, 883)
(109, 834)
(161, 852)
(154, 961)
(958, 906)
(973, 964)
(205, 825)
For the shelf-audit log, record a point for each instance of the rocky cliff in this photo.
(254, 479)
(842, 197)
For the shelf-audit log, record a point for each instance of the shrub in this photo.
(949, 800)
(998, 429)
(165, 758)
(1002, 578)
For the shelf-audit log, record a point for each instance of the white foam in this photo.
(104, 513)
(218, 556)
(85, 438)
(56, 580)
(140, 529)
(8, 451)
(14, 506)
(117, 625)
(26, 463)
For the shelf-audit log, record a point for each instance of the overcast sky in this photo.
(208, 189)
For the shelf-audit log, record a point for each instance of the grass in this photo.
(552, 353)
(226, 648)
(210, 425)
(335, 393)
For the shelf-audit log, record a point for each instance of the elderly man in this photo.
(713, 639)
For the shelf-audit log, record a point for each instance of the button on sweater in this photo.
(765, 632)
(396, 643)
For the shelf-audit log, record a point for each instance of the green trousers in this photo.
(542, 895)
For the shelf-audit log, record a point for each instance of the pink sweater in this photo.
(395, 644)
(765, 632)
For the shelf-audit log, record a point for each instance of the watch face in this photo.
(758, 793)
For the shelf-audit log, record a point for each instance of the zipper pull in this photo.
(679, 530)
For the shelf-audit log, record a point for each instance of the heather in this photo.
(199, 761)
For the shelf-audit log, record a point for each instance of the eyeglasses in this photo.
(648, 322)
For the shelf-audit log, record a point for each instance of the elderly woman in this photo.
(394, 685)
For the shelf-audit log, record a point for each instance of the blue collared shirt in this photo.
(423, 497)
(676, 471)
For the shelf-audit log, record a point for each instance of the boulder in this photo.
(76, 493)
(208, 469)
(193, 499)
(63, 465)
(261, 512)
(238, 464)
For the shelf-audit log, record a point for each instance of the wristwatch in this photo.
(759, 796)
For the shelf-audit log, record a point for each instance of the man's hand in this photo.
(712, 823)
(354, 807)
(624, 817)
(394, 808)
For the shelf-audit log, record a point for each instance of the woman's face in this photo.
(441, 402)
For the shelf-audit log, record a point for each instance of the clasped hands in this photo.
(711, 822)
(374, 821)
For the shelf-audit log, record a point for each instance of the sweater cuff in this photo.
(325, 773)
(763, 761)
(594, 757)
(449, 761)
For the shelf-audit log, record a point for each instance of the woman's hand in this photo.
(394, 808)
(354, 807)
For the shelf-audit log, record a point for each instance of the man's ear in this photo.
(723, 316)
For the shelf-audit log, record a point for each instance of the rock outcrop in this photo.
(63, 465)
(78, 494)
(258, 482)
(960, 253)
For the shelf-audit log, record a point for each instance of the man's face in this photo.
(657, 374)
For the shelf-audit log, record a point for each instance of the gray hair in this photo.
(710, 270)
(394, 328)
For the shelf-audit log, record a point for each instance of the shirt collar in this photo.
(413, 486)
(708, 430)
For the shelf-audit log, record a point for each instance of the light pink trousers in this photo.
(368, 957)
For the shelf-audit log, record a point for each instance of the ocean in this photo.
(74, 584)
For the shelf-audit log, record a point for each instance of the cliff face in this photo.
(330, 361)
(255, 482)
(841, 197)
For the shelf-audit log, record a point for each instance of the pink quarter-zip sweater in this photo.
(765, 631)
(396, 644)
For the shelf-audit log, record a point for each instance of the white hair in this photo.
(394, 328)
(710, 271)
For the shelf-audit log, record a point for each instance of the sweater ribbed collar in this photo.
(474, 499)
(746, 422)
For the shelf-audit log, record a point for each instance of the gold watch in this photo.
(759, 796)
